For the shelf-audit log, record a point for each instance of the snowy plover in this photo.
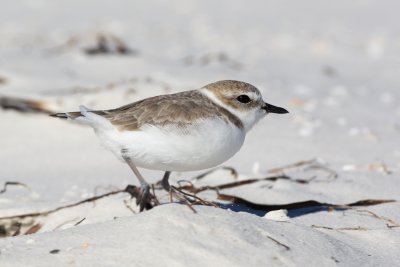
(186, 131)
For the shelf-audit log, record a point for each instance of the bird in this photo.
(186, 131)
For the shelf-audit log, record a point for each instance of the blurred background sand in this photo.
(334, 65)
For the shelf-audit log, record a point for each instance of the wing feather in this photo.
(162, 110)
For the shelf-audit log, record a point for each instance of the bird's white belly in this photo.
(201, 146)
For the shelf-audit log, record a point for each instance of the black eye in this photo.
(243, 99)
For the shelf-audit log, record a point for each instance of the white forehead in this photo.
(253, 95)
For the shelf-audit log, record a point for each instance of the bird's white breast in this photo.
(205, 144)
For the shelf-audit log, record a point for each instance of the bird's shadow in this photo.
(292, 212)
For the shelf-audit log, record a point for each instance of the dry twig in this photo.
(279, 243)
(390, 223)
(359, 228)
(6, 184)
(24, 105)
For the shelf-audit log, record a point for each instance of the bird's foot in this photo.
(144, 199)
(188, 199)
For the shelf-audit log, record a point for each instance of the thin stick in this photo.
(290, 166)
(279, 243)
(6, 184)
(45, 213)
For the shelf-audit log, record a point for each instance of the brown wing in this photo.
(162, 110)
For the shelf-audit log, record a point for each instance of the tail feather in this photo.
(85, 116)
(67, 115)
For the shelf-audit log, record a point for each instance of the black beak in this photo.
(274, 109)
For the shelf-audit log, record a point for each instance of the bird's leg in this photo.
(164, 182)
(187, 198)
(173, 191)
(144, 195)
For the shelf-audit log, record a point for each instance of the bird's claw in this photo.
(142, 195)
(143, 198)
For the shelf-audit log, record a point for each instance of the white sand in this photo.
(334, 66)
